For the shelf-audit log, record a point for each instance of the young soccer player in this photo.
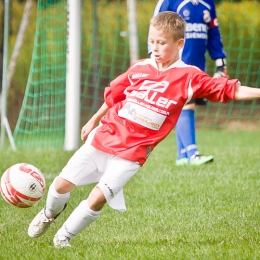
(141, 108)
(202, 34)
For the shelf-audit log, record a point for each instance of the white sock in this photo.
(55, 202)
(79, 219)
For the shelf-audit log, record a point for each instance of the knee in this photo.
(96, 199)
(63, 186)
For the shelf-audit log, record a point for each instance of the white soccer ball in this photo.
(22, 185)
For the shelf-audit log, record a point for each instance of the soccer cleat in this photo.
(61, 241)
(41, 223)
(198, 159)
(182, 161)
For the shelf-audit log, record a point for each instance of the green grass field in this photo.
(207, 212)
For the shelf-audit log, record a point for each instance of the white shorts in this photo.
(90, 165)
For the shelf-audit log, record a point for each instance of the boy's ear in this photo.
(180, 43)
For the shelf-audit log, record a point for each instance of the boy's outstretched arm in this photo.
(93, 122)
(246, 93)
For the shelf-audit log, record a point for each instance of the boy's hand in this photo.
(93, 122)
(87, 128)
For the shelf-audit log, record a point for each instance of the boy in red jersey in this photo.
(141, 108)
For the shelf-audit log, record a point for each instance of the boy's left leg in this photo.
(55, 204)
(109, 189)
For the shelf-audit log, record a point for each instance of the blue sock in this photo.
(185, 133)
(181, 152)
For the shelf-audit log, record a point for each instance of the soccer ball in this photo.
(22, 185)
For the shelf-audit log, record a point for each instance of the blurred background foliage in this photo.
(239, 24)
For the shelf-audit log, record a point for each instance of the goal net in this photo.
(105, 55)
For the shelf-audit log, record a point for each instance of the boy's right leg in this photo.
(79, 219)
(55, 204)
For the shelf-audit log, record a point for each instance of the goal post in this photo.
(72, 118)
(132, 30)
(3, 108)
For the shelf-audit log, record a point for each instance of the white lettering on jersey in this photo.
(154, 85)
(146, 106)
(150, 91)
(196, 27)
(196, 31)
(142, 115)
(196, 35)
(139, 75)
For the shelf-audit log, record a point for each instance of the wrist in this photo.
(221, 68)
(221, 62)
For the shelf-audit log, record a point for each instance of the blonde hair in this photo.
(169, 22)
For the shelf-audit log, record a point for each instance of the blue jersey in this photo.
(202, 31)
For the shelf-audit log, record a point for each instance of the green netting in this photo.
(42, 116)
(239, 24)
(105, 54)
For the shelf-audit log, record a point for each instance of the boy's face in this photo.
(164, 48)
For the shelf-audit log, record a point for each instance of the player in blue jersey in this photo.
(202, 34)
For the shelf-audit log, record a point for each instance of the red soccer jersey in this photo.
(145, 104)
